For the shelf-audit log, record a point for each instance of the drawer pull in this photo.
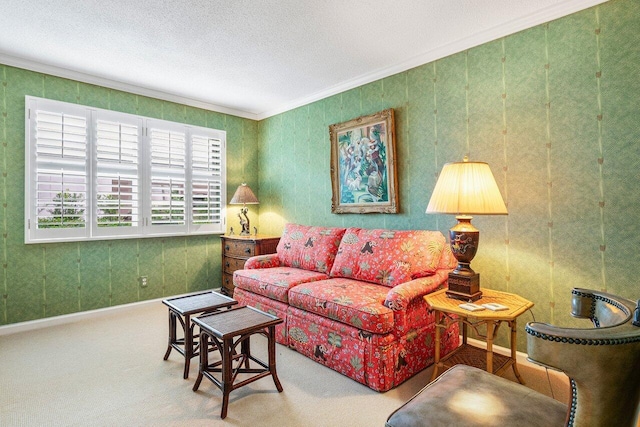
(227, 264)
(226, 247)
(247, 251)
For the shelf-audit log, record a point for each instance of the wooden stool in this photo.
(181, 309)
(221, 329)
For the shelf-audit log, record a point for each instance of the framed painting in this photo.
(363, 165)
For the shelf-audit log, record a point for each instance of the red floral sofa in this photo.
(352, 299)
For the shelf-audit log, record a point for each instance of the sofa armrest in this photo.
(401, 295)
(262, 261)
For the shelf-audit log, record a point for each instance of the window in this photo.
(98, 174)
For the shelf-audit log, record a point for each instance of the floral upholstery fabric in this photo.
(416, 313)
(388, 257)
(267, 305)
(309, 248)
(274, 282)
(343, 348)
(347, 301)
(380, 361)
(262, 261)
(447, 260)
(401, 295)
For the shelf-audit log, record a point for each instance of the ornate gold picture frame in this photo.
(363, 165)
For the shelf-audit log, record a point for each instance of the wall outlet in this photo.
(143, 281)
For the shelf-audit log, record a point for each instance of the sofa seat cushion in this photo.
(388, 257)
(309, 248)
(355, 303)
(274, 282)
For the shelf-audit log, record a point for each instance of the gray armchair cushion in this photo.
(467, 396)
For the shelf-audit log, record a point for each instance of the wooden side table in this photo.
(237, 249)
(227, 330)
(181, 309)
(447, 311)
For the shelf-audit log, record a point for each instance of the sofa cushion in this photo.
(274, 282)
(309, 248)
(348, 301)
(388, 257)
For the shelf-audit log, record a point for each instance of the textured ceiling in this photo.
(253, 58)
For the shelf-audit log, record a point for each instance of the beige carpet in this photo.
(108, 371)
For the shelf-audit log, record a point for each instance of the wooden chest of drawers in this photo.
(237, 249)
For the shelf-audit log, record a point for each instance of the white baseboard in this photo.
(31, 325)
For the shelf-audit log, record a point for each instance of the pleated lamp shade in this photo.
(466, 188)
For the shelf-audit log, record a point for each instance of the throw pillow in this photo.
(308, 247)
(388, 257)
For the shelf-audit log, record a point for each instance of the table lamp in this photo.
(244, 196)
(464, 189)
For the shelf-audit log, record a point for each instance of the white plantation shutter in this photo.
(57, 182)
(60, 198)
(168, 176)
(206, 182)
(100, 174)
(117, 179)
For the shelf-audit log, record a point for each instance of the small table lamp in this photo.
(464, 189)
(244, 196)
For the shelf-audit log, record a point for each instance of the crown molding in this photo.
(53, 70)
(508, 28)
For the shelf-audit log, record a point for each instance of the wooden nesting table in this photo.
(226, 330)
(181, 309)
(447, 311)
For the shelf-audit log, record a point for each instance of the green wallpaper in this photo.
(554, 110)
(46, 280)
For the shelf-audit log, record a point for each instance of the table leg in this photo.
(272, 357)
(188, 345)
(227, 374)
(463, 322)
(204, 360)
(172, 333)
(245, 348)
(490, 331)
(436, 361)
(514, 343)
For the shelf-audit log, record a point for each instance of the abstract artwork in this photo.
(363, 167)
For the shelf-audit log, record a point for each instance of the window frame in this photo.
(144, 227)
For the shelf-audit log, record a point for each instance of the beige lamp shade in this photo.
(466, 188)
(244, 196)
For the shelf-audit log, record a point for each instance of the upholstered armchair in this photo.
(602, 363)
